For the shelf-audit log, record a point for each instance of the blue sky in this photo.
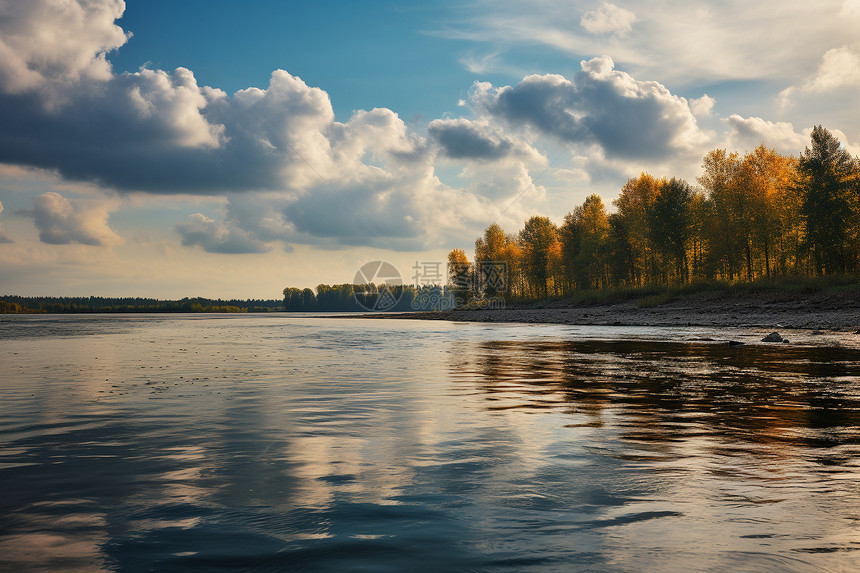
(218, 148)
(357, 50)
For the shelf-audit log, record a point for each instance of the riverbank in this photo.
(829, 309)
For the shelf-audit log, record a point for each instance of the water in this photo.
(285, 443)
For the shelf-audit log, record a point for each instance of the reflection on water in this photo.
(663, 392)
(280, 443)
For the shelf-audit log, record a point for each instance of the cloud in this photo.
(608, 19)
(62, 222)
(213, 237)
(369, 180)
(703, 106)
(465, 139)
(49, 43)
(627, 118)
(4, 238)
(160, 132)
(293, 174)
(747, 133)
(680, 42)
(839, 68)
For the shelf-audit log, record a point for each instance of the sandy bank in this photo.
(829, 310)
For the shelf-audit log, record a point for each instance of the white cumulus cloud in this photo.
(608, 19)
(747, 133)
(62, 222)
(46, 43)
(839, 68)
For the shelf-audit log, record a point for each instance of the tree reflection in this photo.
(664, 392)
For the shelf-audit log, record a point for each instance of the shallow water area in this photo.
(282, 442)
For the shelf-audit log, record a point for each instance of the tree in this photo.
(513, 257)
(764, 174)
(699, 212)
(570, 236)
(619, 256)
(826, 171)
(670, 224)
(492, 270)
(721, 226)
(585, 233)
(635, 203)
(460, 277)
(309, 300)
(536, 237)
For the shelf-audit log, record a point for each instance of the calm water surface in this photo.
(283, 443)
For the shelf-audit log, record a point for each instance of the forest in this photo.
(97, 304)
(758, 215)
(371, 297)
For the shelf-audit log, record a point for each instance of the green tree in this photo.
(826, 173)
(586, 230)
(670, 224)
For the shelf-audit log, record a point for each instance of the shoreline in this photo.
(836, 311)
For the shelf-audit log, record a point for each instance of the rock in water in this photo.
(772, 337)
(735, 343)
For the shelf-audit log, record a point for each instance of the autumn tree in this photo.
(721, 225)
(513, 257)
(765, 175)
(536, 237)
(492, 267)
(460, 277)
(635, 203)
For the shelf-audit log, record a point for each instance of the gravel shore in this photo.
(830, 310)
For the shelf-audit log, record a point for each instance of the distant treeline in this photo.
(93, 304)
(369, 297)
(761, 215)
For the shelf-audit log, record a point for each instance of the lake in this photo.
(299, 443)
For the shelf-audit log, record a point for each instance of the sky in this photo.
(229, 149)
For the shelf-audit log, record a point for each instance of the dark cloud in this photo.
(360, 215)
(464, 139)
(159, 132)
(629, 119)
(306, 177)
(213, 237)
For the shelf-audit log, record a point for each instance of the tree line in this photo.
(97, 304)
(369, 297)
(762, 214)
